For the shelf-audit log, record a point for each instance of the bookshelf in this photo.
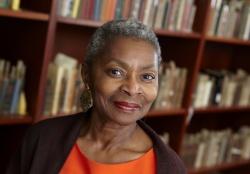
(29, 15)
(14, 120)
(222, 167)
(36, 34)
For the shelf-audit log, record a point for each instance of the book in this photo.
(15, 5)
(172, 81)
(61, 89)
(160, 14)
(48, 99)
(4, 3)
(75, 8)
(97, 9)
(22, 105)
(207, 148)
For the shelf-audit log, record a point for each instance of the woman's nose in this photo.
(131, 86)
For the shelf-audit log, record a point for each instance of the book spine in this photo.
(16, 95)
(97, 9)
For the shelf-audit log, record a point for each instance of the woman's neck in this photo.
(107, 134)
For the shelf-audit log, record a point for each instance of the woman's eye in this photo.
(148, 77)
(115, 72)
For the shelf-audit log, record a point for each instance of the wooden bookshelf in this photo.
(234, 109)
(187, 35)
(22, 14)
(15, 120)
(233, 41)
(79, 22)
(220, 167)
(167, 112)
(95, 24)
(36, 34)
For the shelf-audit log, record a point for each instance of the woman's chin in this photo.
(125, 118)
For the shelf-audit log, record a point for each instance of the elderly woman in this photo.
(121, 76)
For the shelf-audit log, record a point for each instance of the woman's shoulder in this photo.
(55, 122)
(54, 126)
(168, 160)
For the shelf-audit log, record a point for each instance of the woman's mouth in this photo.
(126, 106)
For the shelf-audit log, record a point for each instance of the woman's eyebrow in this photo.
(125, 65)
(118, 61)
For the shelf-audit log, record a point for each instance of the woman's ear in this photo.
(85, 74)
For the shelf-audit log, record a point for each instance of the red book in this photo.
(126, 9)
(91, 9)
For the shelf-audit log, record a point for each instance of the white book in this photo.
(186, 14)
(179, 17)
(135, 9)
(231, 88)
(148, 7)
(213, 150)
(152, 13)
(207, 92)
(191, 19)
(172, 15)
(160, 14)
(200, 89)
(215, 17)
(230, 28)
(70, 91)
(200, 155)
(247, 28)
(57, 88)
(245, 93)
(246, 148)
(223, 20)
(65, 61)
(66, 8)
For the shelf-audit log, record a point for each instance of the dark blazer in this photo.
(47, 144)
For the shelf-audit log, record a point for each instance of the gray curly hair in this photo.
(119, 28)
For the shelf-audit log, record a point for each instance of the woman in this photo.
(121, 77)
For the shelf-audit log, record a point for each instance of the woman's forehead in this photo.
(130, 51)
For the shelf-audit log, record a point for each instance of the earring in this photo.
(86, 100)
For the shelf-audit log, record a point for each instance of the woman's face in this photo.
(124, 81)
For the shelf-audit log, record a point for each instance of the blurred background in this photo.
(203, 107)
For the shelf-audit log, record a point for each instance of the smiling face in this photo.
(124, 81)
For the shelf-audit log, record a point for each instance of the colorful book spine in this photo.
(15, 97)
(97, 9)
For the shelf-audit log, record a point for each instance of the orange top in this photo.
(78, 163)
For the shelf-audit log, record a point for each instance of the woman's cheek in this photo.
(151, 92)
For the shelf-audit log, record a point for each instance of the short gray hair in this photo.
(130, 28)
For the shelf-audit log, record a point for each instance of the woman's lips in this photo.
(126, 106)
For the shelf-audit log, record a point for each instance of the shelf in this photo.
(24, 14)
(219, 167)
(95, 24)
(208, 110)
(14, 120)
(80, 22)
(163, 32)
(234, 41)
(166, 112)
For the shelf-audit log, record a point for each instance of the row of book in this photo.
(222, 88)
(11, 4)
(172, 82)
(12, 96)
(63, 86)
(208, 148)
(230, 18)
(175, 15)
